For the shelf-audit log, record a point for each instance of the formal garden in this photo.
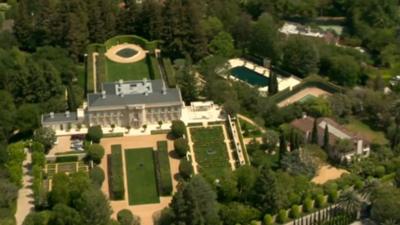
(141, 176)
(210, 150)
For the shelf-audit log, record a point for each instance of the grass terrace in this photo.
(127, 71)
(358, 126)
(210, 150)
(141, 176)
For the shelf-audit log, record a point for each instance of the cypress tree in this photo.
(273, 84)
(282, 146)
(326, 138)
(314, 134)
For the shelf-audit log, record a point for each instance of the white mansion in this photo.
(124, 104)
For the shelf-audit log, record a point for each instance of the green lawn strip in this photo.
(210, 150)
(116, 171)
(127, 71)
(249, 129)
(163, 166)
(141, 176)
(357, 126)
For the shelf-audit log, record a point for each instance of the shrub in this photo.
(268, 220)
(282, 216)
(164, 168)
(72, 158)
(308, 205)
(379, 171)
(117, 174)
(95, 153)
(45, 136)
(37, 147)
(181, 147)
(333, 196)
(169, 70)
(320, 201)
(38, 158)
(97, 176)
(94, 134)
(295, 211)
(185, 169)
(178, 128)
(125, 217)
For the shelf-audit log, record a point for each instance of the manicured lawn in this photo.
(210, 150)
(249, 130)
(362, 128)
(141, 176)
(127, 71)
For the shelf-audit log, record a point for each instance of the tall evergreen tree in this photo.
(195, 204)
(282, 147)
(127, 17)
(314, 133)
(150, 20)
(326, 138)
(23, 27)
(273, 83)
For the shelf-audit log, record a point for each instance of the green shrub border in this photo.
(117, 188)
(163, 168)
(112, 135)
(169, 72)
(153, 67)
(69, 158)
(155, 132)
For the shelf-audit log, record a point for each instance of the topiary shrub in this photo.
(282, 216)
(95, 133)
(125, 217)
(295, 212)
(181, 147)
(320, 201)
(308, 205)
(333, 196)
(37, 147)
(268, 219)
(95, 152)
(97, 176)
(178, 128)
(46, 137)
(185, 169)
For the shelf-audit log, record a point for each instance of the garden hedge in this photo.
(62, 159)
(153, 67)
(116, 173)
(133, 39)
(169, 72)
(163, 166)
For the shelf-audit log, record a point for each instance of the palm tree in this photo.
(351, 201)
(369, 187)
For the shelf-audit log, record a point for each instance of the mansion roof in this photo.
(139, 92)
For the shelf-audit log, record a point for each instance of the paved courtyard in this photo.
(145, 212)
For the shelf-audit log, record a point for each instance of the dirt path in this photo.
(25, 194)
(112, 53)
(247, 119)
(147, 211)
(314, 91)
(326, 173)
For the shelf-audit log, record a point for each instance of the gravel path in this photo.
(25, 194)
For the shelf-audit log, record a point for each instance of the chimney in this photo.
(121, 82)
(146, 93)
(67, 114)
(164, 89)
(144, 80)
(52, 115)
(103, 94)
(121, 95)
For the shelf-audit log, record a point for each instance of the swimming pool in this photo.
(249, 76)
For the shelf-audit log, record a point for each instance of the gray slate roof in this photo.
(112, 99)
(60, 117)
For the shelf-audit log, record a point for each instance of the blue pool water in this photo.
(249, 76)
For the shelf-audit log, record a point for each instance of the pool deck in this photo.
(283, 82)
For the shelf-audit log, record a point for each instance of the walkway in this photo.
(25, 194)
(247, 119)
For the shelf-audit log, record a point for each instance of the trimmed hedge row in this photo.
(153, 67)
(62, 159)
(116, 173)
(162, 165)
(169, 72)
